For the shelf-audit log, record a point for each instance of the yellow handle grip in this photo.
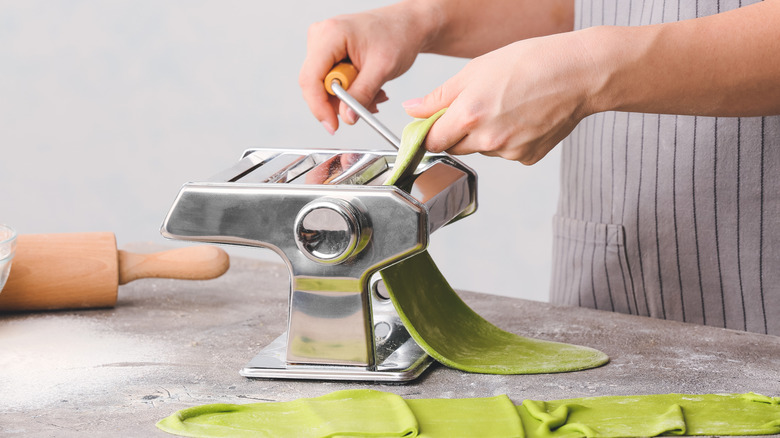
(344, 72)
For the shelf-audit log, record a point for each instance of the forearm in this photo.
(722, 65)
(468, 28)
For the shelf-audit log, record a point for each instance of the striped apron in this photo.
(674, 217)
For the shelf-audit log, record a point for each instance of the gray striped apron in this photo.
(674, 217)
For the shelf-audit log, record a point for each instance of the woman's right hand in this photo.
(382, 44)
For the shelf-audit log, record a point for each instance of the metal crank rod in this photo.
(337, 82)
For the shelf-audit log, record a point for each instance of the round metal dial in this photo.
(328, 230)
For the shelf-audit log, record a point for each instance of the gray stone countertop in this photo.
(171, 344)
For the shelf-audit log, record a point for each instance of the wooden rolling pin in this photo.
(84, 270)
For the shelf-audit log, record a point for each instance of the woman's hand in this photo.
(516, 102)
(519, 101)
(382, 44)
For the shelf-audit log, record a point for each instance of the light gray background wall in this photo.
(106, 108)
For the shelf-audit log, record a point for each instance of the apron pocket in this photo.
(590, 267)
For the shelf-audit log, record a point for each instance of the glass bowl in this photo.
(7, 250)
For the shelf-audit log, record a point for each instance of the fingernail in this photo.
(328, 127)
(411, 103)
(351, 116)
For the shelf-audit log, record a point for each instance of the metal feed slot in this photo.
(327, 214)
(247, 164)
(279, 169)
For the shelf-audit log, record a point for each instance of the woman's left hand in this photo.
(516, 102)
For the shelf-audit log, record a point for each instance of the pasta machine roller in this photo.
(335, 225)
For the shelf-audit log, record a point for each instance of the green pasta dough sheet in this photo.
(444, 326)
(453, 334)
(411, 152)
(344, 413)
(494, 417)
(370, 413)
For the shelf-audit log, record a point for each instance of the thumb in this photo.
(434, 101)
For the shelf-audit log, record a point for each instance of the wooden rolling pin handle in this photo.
(83, 270)
(191, 263)
(343, 72)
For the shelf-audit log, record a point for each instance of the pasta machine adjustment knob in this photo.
(330, 230)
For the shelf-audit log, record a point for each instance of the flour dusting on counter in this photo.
(61, 358)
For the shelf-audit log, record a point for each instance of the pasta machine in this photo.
(327, 214)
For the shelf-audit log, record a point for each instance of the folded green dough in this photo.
(370, 413)
(446, 328)
(411, 152)
(652, 415)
